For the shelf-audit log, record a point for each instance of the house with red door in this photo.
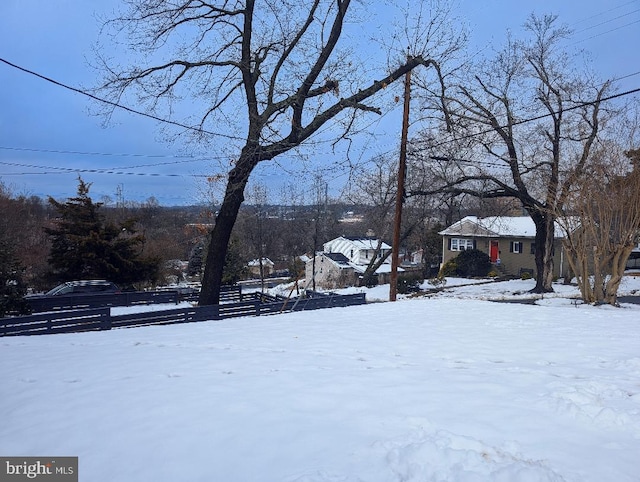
(508, 240)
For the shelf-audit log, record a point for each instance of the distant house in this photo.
(267, 267)
(344, 259)
(508, 240)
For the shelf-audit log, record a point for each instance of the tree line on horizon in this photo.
(143, 245)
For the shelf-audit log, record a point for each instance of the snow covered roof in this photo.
(256, 262)
(344, 244)
(496, 227)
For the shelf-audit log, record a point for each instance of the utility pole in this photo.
(402, 169)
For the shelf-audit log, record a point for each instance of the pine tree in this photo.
(86, 246)
(235, 268)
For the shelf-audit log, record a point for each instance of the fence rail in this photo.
(95, 319)
(128, 298)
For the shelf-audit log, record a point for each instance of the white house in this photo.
(344, 259)
(267, 266)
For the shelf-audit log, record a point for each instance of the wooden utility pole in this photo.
(402, 169)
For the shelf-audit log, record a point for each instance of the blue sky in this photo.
(48, 137)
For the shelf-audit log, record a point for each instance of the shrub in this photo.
(450, 268)
(472, 263)
(438, 282)
(409, 283)
(526, 275)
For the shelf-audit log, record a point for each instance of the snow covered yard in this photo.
(444, 389)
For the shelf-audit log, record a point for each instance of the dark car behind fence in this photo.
(127, 298)
(100, 318)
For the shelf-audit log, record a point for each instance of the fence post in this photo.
(105, 319)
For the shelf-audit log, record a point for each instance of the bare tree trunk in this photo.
(221, 233)
(617, 272)
(543, 252)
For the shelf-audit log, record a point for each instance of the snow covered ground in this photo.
(446, 388)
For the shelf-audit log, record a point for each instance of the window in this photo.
(533, 248)
(515, 247)
(459, 244)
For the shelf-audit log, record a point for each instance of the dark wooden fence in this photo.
(132, 298)
(93, 319)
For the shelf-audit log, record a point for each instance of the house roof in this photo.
(496, 227)
(339, 259)
(256, 262)
(344, 244)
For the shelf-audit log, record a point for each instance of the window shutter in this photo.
(449, 247)
(474, 244)
(511, 246)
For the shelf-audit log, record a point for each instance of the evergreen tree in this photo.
(235, 268)
(86, 246)
(196, 260)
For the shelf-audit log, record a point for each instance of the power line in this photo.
(63, 170)
(113, 171)
(607, 21)
(541, 116)
(111, 103)
(609, 10)
(57, 151)
(608, 31)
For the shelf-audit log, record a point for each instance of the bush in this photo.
(450, 268)
(473, 263)
(438, 282)
(468, 264)
(409, 283)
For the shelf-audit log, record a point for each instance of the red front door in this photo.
(494, 252)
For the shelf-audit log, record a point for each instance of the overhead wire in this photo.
(111, 103)
(203, 131)
(61, 170)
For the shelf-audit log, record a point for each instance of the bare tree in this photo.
(255, 229)
(602, 224)
(21, 221)
(273, 73)
(321, 219)
(534, 122)
(375, 188)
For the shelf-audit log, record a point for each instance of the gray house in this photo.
(344, 259)
(508, 240)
